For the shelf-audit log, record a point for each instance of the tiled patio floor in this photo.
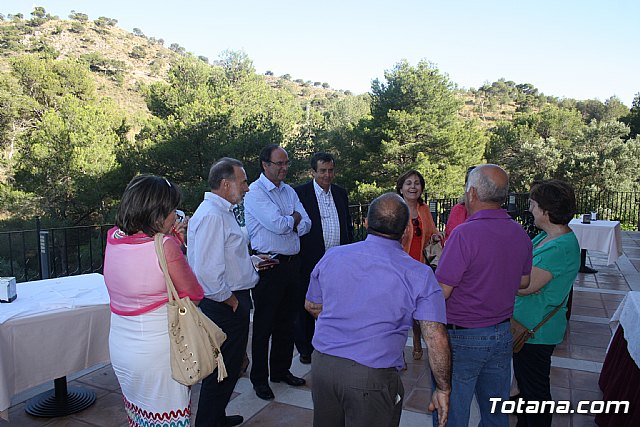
(576, 365)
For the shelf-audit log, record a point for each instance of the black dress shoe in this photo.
(264, 392)
(305, 360)
(290, 379)
(232, 420)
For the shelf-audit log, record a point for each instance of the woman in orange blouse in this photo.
(410, 186)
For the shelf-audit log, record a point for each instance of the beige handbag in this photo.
(194, 339)
(433, 250)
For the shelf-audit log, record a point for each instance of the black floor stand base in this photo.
(583, 261)
(60, 401)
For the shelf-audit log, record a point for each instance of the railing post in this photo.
(512, 208)
(433, 208)
(43, 237)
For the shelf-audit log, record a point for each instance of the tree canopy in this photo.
(71, 136)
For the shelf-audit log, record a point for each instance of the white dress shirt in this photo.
(268, 211)
(218, 250)
(328, 217)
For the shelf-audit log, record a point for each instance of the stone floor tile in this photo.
(614, 286)
(108, 413)
(606, 275)
(19, 418)
(561, 420)
(581, 380)
(587, 299)
(560, 393)
(72, 422)
(611, 305)
(584, 278)
(415, 419)
(425, 381)
(590, 340)
(589, 311)
(560, 377)
(590, 328)
(295, 396)
(562, 351)
(279, 414)
(104, 378)
(586, 302)
(583, 420)
(594, 354)
(612, 297)
(418, 400)
(409, 384)
(593, 284)
(581, 395)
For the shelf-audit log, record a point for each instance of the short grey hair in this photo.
(488, 190)
(222, 169)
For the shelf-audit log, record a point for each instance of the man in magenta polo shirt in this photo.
(365, 297)
(484, 262)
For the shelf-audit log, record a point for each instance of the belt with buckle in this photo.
(279, 257)
(285, 258)
(456, 327)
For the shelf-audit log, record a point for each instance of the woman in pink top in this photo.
(458, 213)
(138, 338)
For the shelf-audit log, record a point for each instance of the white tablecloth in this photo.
(600, 236)
(628, 315)
(54, 328)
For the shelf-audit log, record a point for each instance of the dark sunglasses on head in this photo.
(416, 227)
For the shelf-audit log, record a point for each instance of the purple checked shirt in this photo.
(370, 293)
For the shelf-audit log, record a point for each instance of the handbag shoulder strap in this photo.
(171, 289)
(550, 315)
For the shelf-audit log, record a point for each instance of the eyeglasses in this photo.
(416, 227)
(279, 164)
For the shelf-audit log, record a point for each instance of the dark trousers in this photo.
(532, 367)
(274, 299)
(214, 395)
(348, 394)
(305, 324)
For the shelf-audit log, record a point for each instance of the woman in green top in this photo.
(556, 260)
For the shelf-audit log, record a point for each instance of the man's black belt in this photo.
(279, 257)
(285, 258)
(455, 327)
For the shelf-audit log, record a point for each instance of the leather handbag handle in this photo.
(171, 289)
(550, 315)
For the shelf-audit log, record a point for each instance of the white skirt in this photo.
(139, 348)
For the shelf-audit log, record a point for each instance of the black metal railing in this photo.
(69, 251)
(78, 250)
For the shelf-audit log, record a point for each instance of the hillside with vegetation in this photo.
(86, 105)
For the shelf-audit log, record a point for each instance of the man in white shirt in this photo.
(275, 220)
(218, 253)
(328, 207)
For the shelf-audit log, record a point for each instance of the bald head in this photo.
(491, 183)
(388, 216)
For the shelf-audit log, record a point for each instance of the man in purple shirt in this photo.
(484, 262)
(365, 297)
